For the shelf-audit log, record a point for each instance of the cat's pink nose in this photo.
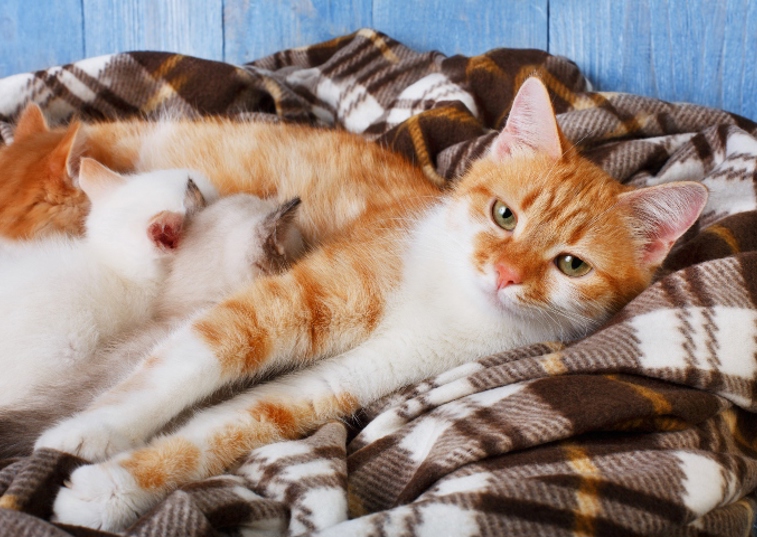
(506, 275)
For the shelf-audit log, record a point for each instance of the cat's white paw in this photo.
(90, 439)
(100, 496)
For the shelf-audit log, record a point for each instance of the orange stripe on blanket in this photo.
(587, 496)
(10, 501)
(726, 236)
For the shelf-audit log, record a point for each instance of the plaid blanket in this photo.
(647, 427)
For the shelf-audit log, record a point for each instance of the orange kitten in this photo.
(339, 176)
(534, 243)
(36, 194)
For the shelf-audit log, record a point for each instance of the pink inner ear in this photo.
(531, 126)
(665, 212)
(165, 230)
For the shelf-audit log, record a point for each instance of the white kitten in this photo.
(62, 297)
(229, 243)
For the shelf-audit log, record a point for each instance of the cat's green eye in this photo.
(503, 216)
(572, 266)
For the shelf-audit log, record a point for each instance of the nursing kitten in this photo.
(230, 243)
(339, 176)
(61, 298)
(534, 243)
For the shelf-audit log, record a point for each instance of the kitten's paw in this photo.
(100, 496)
(89, 439)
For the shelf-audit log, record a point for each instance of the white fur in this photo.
(223, 249)
(60, 298)
(99, 497)
(107, 428)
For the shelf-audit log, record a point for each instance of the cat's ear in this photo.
(97, 180)
(76, 148)
(30, 122)
(283, 241)
(663, 213)
(531, 126)
(165, 230)
(65, 159)
(193, 199)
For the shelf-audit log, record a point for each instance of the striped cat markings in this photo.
(534, 243)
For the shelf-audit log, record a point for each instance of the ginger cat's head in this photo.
(553, 239)
(37, 194)
(135, 220)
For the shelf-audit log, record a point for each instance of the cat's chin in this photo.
(504, 302)
(508, 304)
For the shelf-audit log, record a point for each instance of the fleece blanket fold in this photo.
(646, 427)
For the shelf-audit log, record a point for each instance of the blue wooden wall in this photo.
(702, 51)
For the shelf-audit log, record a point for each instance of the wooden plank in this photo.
(257, 28)
(699, 51)
(36, 36)
(192, 27)
(467, 27)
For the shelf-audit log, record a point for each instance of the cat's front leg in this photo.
(287, 408)
(179, 371)
(113, 494)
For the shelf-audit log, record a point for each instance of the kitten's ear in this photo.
(531, 126)
(663, 213)
(76, 148)
(165, 230)
(283, 241)
(96, 180)
(65, 160)
(30, 122)
(193, 199)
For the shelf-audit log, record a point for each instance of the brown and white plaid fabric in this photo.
(647, 427)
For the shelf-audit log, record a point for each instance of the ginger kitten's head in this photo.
(554, 240)
(135, 220)
(232, 241)
(37, 194)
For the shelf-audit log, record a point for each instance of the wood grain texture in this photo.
(192, 27)
(257, 28)
(699, 51)
(467, 27)
(38, 35)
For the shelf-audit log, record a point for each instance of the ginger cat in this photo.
(534, 243)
